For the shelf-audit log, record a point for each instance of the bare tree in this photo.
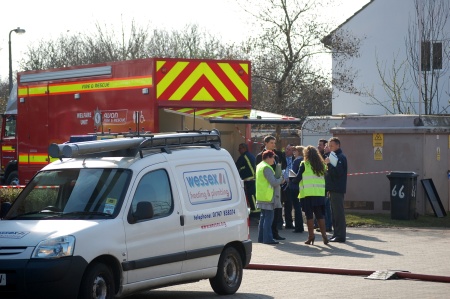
(191, 42)
(4, 94)
(282, 58)
(395, 83)
(101, 46)
(428, 52)
(345, 46)
(131, 43)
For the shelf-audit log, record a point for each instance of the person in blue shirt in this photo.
(294, 188)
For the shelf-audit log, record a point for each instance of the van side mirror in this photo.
(144, 211)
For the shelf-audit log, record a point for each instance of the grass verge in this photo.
(384, 220)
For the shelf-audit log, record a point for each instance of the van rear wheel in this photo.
(97, 283)
(229, 273)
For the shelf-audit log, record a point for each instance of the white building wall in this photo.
(384, 24)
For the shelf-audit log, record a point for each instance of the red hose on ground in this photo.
(435, 278)
(406, 275)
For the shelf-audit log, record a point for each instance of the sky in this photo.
(47, 19)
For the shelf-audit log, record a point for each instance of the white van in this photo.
(115, 217)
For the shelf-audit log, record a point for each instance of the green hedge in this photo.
(9, 194)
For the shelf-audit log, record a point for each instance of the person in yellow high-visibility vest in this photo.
(268, 196)
(312, 191)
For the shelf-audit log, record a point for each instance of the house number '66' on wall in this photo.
(400, 192)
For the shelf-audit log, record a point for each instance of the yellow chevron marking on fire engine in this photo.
(234, 77)
(229, 113)
(225, 112)
(232, 113)
(87, 86)
(170, 76)
(203, 95)
(200, 70)
(159, 64)
(7, 148)
(244, 66)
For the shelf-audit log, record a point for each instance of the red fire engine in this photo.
(116, 98)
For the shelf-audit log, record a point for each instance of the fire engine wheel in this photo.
(13, 179)
(97, 283)
(229, 273)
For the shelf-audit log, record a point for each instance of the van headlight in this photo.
(55, 248)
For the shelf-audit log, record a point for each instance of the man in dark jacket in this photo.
(246, 166)
(336, 185)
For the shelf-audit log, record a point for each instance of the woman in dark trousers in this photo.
(312, 191)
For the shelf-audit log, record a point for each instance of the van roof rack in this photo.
(130, 146)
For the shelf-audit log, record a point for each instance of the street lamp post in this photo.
(18, 30)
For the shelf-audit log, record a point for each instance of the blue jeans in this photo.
(265, 226)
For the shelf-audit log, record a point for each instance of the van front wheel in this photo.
(229, 273)
(97, 283)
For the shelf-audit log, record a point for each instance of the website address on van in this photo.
(212, 225)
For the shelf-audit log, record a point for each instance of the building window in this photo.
(431, 56)
(437, 56)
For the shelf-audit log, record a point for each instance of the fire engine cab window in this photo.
(154, 188)
(10, 126)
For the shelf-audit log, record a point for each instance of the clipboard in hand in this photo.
(333, 159)
(292, 174)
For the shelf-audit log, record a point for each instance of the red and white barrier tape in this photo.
(23, 186)
(370, 172)
(242, 135)
(12, 187)
(53, 187)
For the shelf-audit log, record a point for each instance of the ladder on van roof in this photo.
(130, 146)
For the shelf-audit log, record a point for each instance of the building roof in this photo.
(326, 40)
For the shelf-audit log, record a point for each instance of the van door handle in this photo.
(182, 220)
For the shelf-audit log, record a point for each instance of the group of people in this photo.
(305, 179)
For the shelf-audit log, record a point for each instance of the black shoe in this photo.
(329, 230)
(336, 239)
(297, 231)
(289, 227)
(272, 243)
(279, 238)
